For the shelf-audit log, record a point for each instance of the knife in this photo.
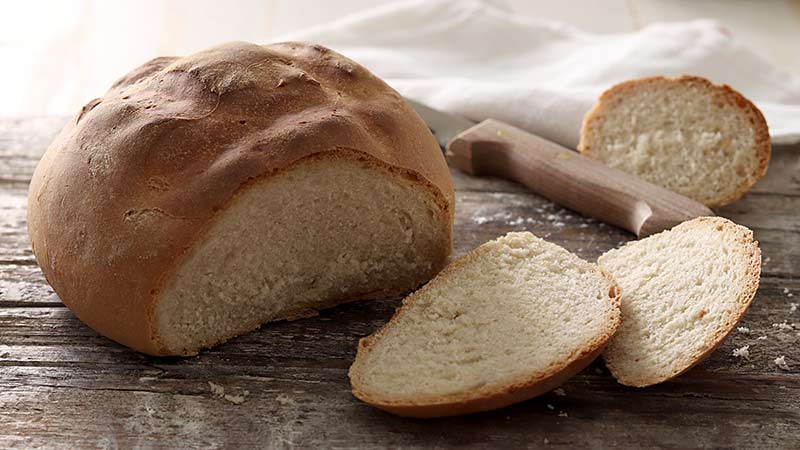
(566, 177)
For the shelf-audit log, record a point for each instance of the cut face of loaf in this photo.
(682, 292)
(326, 231)
(699, 139)
(510, 320)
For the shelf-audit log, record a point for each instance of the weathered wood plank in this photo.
(289, 370)
(481, 216)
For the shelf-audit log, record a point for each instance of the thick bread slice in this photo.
(683, 291)
(699, 139)
(508, 321)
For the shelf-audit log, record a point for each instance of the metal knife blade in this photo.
(444, 126)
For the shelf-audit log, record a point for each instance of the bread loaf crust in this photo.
(135, 179)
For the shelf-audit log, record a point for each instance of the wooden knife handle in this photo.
(566, 177)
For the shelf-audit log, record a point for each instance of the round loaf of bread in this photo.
(203, 196)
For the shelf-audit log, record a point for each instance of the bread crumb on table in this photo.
(761, 338)
(781, 363)
(742, 352)
(560, 392)
(792, 307)
(216, 389)
(782, 326)
(550, 407)
(743, 330)
(219, 391)
(563, 414)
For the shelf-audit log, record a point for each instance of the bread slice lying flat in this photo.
(699, 139)
(683, 291)
(509, 321)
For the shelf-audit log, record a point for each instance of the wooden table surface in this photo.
(62, 384)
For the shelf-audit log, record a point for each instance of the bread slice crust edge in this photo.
(752, 276)
(754, 115)
(492, 397)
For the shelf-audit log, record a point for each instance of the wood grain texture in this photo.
(63, 385)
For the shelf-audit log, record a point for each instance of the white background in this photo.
(57, 55)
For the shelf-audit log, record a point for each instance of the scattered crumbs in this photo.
(558, 224)
(560, 392)
(782, 326)
(546, 441)
(743, 352)
(761, 338)
(780, 361)
(767, 259)
(219, 391)
(237, 399)
(517, 221)
(563, 414)
(785, 290)
(583, 225)
(743, 330)
(216, 389)
(480, 220)
(792, 307)
(284, 399)
(552, 217)
(550, 407)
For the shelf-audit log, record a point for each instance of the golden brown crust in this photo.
(617, 93)
(491, 397)
(752, 277)
(138, 175)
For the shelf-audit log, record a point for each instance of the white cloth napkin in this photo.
(481, 60)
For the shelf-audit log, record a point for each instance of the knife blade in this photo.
(495, 148)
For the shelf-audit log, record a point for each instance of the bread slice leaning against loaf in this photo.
(702, 140)
(508, 321)
(682, 292)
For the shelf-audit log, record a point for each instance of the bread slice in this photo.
(508, 321)
(699, 139)
(683, 291)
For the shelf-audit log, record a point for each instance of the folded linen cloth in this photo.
(480, 60)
